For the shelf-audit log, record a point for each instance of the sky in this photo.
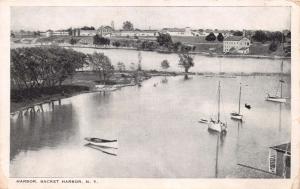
(236, 18)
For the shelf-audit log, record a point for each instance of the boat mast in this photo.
(281, 79)
(219, 98)
(240, 98)
(281, 68)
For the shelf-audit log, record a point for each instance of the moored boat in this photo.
(218, 125)
(238, 115)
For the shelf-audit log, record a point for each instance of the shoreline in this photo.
(203, 53)
(23, 106)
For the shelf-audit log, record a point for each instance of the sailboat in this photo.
(276, 97)
(238, 115)
(217, 125)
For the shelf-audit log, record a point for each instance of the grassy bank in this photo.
(80, 82)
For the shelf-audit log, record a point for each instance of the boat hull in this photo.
(102, 142)
(236, 116)
(219, 127)
(276, 99)
(105, 144)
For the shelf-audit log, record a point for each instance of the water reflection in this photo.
(43, 129)
(157, 129)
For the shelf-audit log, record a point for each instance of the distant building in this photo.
(236, 44)
(147, 33)
(280, 160)
(123, 33)
(23, 34)
(60, 33)
(50, 33)
(178, 31)
(105, 31)
(81, 32)
(135, 33)
(46, 33)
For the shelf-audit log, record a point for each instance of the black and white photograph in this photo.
(154, 92)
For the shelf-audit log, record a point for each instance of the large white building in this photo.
(50, 33)
(236, 44)
(135, 33)
(178, 31)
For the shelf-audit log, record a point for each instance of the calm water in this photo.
(152, 60)
(157, 129)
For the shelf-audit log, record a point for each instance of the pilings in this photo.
(37, 108)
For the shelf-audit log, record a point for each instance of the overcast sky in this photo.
(43, 18)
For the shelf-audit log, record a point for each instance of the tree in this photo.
(116, 43)
(273, 46)
(73, 41)
(149, 45)
(128, 26)
(164, 39)
(260, 36)
(87, 28)
(39, 67)
(121, 66)
(211, 37)
(102, 65)
(186, 61)
(165, 65)
(220, 37)
(238, 33)
(177, 46)
(97, 40)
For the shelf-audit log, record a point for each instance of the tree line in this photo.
(40, 67)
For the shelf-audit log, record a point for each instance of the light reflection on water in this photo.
(157, 129)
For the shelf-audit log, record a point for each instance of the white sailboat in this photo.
(217, 125)
(276, 97)
(238, 115)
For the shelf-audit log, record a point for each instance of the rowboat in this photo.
(102, 142)
(203, 121)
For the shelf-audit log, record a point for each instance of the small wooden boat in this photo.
(203, 121)
(102, 142)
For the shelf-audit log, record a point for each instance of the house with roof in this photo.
(105, 31)
(236, 44)
(178, 31)
(280, 160)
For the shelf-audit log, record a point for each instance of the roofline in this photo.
(280, 150)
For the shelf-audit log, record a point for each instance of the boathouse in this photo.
(280, 160)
